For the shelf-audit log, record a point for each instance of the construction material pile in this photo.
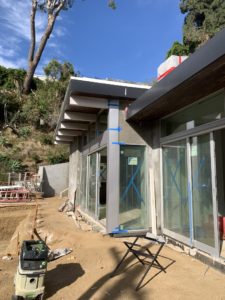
(20, 188)
(14, 194)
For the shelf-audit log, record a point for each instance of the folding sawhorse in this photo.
(143, 253)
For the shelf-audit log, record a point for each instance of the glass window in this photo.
(202, 190)
(203, 112)
(83, 183)
(92, 187)
(132, 206)
(175, 188)
(102, 184)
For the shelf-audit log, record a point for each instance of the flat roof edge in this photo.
(111, 82)
(209, 53)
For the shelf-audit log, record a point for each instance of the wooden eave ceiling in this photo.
(81, 108)
(202, 84)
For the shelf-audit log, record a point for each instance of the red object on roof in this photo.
(169, 65)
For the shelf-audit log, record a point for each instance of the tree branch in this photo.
(44, 39)
(59, 8)
(33, 33)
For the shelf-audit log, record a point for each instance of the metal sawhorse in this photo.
(143, 253)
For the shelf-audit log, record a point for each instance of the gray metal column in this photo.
(74, 169)
(113, 157)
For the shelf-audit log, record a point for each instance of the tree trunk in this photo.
(28, 79)
(33, 64)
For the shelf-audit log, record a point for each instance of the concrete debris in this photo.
(87, 223)
(55, 254)
(66, 206)
(7, 257)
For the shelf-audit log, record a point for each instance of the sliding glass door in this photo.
(189, 204)
(175, 188)
(92, 185)
(132, 206)
(203, 221)
(96, 171)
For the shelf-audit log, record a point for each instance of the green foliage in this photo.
(11, 78)
(3, 141)
(3, 158)
(24, 132)
(50, 5)
(58, 71)
(10, 88)
(57, 158)
(15, 166)
(44, 104)
(36, 158)
(8, 164)
(112, 4)
(177, 49)
(24, 112)
(203, 18)
(67, 71)
(53, 69)
(46, 139)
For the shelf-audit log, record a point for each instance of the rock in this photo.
(7, 257)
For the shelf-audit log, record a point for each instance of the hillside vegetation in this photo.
(27, 122)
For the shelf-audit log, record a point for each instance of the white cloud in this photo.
(7, 52)
(59, 31)
(15, 17)
(15, 32)
(53, 45)
(16, 64)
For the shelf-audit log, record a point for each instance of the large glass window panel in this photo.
(132, 206)
(175, 188)
(202, 190)
(83, 183)
(210, 109)
(102, 184)
(220, 181)
(92, 187)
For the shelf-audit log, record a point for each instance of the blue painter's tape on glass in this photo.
(118, 143)
(115, 129)
(119, 230)
(131, 184)
(113, 105)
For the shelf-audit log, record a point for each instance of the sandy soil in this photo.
(85, 273)
(10, 217)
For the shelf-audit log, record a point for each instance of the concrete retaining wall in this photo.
(55, 179)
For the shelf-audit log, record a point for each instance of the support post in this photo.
(113, 157)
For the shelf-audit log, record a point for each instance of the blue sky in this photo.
(127, 43)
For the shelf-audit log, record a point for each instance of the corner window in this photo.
(207, 110)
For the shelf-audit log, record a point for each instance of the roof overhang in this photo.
(84, 99)
(198, 76)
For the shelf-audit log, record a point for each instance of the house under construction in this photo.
(152, 158)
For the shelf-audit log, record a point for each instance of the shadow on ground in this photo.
(129, 274)
(62, 276)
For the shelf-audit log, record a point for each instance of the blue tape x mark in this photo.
(173, 175)
(131, 183)
(195, 180)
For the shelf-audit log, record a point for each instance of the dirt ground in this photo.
(85, 273)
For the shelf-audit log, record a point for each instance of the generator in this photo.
(29, 278)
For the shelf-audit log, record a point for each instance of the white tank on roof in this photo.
(169, 65)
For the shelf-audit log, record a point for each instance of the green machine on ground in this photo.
(29, 278)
